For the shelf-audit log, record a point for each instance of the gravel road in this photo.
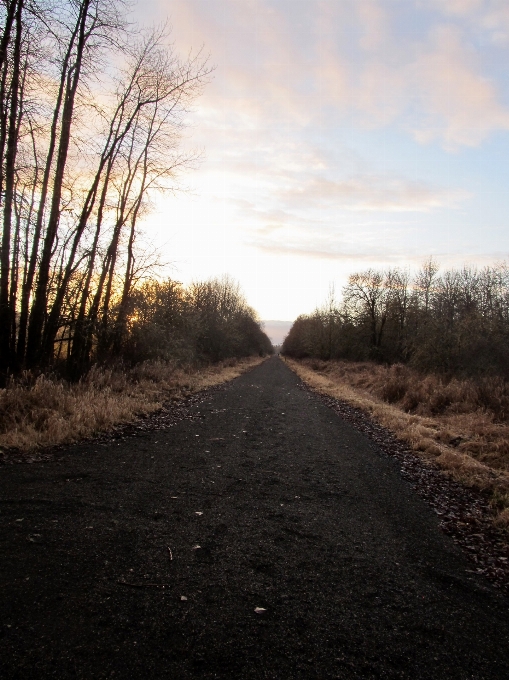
(261, 536)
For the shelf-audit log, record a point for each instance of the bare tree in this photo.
(89, 23)
(456, 323)
(8, 179)
(80, 160)
(366, 298)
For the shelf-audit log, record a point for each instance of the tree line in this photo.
(92, 111)
(207, 321)
(453, 322)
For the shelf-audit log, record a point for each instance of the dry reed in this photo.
(52, 412)
(462, 425)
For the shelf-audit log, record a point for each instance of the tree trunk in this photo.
(34, 353)
(4, 43)
(32, 266)
(10, 160)
(77, 357)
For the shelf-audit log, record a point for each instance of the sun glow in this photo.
(324, 156)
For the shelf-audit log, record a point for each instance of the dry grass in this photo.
(52, 412)
(463, 426)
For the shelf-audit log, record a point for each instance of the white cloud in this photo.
(459, 105)
(350, 59)
(373, 193)
(488, 16)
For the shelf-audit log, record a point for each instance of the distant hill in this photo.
(277, 330)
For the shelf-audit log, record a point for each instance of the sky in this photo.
(338, 135)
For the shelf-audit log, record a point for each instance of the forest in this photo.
(427, 357)
(453, 323)
(92, 113)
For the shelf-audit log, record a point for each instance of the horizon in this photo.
(276, 329)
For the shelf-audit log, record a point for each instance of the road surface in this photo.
(263, 537)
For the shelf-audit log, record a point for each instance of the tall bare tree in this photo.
(81, 155)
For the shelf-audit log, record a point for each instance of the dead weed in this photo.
(52, 412)
(462, 425)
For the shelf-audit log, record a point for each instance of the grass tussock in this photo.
(463, 425)
(52, 412)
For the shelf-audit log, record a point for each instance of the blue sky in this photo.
(339, 135)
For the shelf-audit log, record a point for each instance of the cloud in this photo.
(336, 239)
(459, 105)
(488, 16)
(374, 20)
(373, 193)
(379, 255)
(260, 58)
(433, 87)
(277, 330)
(327, 250)
(458, 7)
(323, 63)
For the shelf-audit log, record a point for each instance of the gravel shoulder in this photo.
(148, 555)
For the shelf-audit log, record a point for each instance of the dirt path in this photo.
(295, 513)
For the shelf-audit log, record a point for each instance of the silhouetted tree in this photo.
(454, 323)
(83, 147)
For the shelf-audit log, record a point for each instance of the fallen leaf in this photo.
(259, 610)
(183, 598)
(198, 513)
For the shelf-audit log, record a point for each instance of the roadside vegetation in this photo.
(177, 341)
(52, 412)
(92, 113)
(428, 358)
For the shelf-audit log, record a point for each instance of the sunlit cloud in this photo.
(323, 116)
(277, 330)
(326, 252)
(432, 88)
(374, 21)
(374, 193)
(491, 16)
(346, 241)
(457, 7)
(460, 106)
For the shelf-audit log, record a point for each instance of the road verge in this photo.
(428, 437)
(52, 412)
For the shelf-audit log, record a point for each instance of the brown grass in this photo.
(462, 425)
(51, 412)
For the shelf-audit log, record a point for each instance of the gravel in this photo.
(256, 535)
(465, 514)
